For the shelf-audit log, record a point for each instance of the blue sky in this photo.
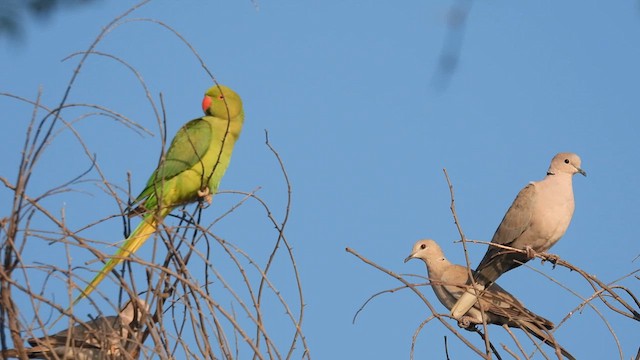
(346, 92)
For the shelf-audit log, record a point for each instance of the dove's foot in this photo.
(552, 258)
(530, 253)
(466, 322)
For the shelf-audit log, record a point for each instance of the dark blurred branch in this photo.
(14, 13)
(452, 47)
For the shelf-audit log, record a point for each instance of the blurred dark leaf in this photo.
(15, 14)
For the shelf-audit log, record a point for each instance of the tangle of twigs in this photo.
(208, 297)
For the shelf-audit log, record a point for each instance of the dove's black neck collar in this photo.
(550, 173)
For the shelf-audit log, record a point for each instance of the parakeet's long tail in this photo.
(146, 228)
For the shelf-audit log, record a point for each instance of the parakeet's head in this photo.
(222, 102)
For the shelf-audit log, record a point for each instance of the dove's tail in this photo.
(545, 336)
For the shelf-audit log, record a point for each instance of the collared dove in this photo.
(105, 337)
(449, 282)
(536, 220)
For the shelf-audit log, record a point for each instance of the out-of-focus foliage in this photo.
(14, 14)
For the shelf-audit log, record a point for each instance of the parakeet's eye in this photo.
(566, 161)
(423, 246)
(220, 96)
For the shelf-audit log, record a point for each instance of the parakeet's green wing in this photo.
(187, 148)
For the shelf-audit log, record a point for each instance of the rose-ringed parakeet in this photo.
(192, 169)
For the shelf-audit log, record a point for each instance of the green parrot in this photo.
(192, 169)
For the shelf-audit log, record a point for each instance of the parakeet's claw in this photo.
(204, 192)
(205, 195)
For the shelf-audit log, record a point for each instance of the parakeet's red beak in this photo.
(206, 102)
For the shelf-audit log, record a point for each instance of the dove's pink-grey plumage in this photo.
(537, 219)
(450, 281)
(104, 337)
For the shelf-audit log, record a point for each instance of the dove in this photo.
(105, 337)
(537, 219)
(449, 282)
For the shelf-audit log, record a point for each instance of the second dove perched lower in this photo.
(105, 337)
(449, 282)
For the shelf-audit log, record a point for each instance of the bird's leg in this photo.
(552, 258)
(205, 194)
(466, 322)
(530, 252)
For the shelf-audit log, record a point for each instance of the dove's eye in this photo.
(423, 246)
(566, 161)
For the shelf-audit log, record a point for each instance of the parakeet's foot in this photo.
(205, 194)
